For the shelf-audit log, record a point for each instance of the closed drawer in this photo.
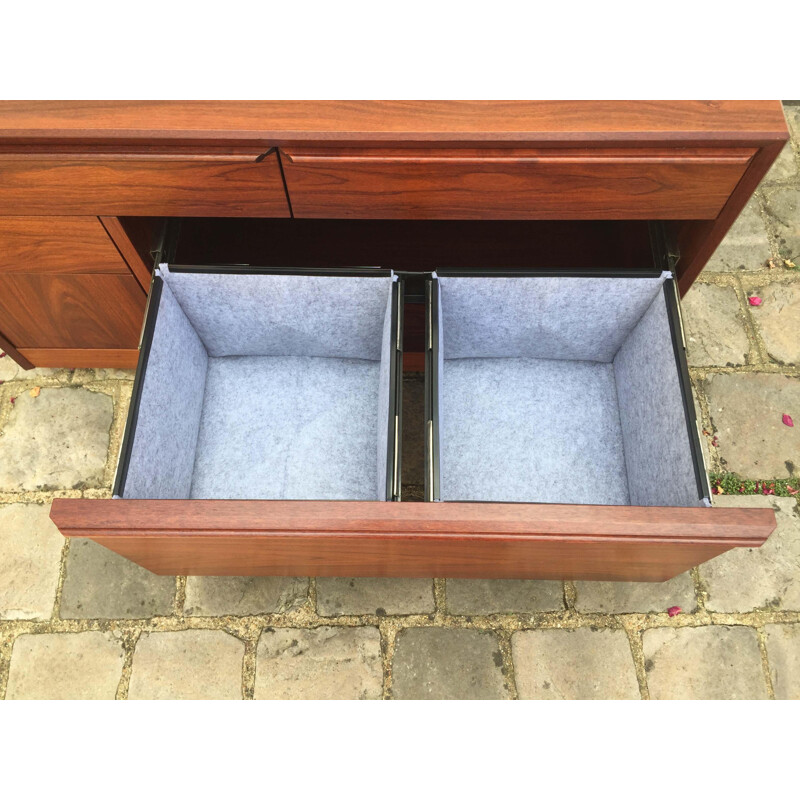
(71, 311)
(687, 183)
(62, 245)
(579, 461)
(225, 185)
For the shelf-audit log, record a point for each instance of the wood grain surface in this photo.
(71, 311)
(388, 121)
(57, 244)
(115, 186)
(689, 183)
(500, 540)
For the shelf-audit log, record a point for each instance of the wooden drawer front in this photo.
(513, 184)
(453, 540)
(192, 186)
(57, 245)
(73, 311)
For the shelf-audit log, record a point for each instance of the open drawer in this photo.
(264, 428)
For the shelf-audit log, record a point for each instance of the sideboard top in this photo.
(276, 122)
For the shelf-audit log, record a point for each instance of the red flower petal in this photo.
(754, 301)
(13, 400)
(787, 420)
(674, 611)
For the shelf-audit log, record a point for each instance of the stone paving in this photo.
(77, 621)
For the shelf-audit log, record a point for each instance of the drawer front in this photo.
(78, 245)
(213, 186)
(453, 540)
(71, 311)
(513, 184)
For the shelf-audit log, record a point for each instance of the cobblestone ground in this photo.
(77, 621)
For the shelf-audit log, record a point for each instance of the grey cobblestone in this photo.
(766, 577)
(580, 664)
(320, 664)
(379, 596)
(503, 597)
(217, 596)
(101, 584)
(187, 665)
(30, 559)
(58, 440)
(447, 664)
(783, 651)
(747, 411)
(709, 663)
(65, 666)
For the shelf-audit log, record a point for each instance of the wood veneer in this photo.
(57, 244)
(280, 122)
(491, 183)
(145, 185)
(504, 540)
(71, 311)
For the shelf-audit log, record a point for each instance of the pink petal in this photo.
(674, 611)
(754, 301)
(787, 420)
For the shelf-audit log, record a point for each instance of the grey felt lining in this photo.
(525, 429)
(657, 448)
(219, 421)
(584, 319)
(569, 393)
(288, 428)
(284, 315)
(163, 450)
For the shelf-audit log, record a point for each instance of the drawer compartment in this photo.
(512, 183)
(144, 184)
(561, 390)
(287, 389)
(246, 455)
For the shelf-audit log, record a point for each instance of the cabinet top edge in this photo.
(279, 121)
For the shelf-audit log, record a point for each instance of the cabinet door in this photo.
(71, 311)
(143, 184)
(610, 183)
(60, 245)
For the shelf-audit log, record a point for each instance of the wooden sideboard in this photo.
(86, 189)
(94, 194)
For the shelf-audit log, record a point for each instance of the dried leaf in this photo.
(787, 420)
(674, 611)
(789, 263)
(754, 301)
(35, 391)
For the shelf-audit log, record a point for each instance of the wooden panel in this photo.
(141, 269)
(14, 354)
(697, 240)
(71, 358)
(57, 245)
(512, 184)
(388, 121)
(73, 311)
(224, 186)
(467, 540)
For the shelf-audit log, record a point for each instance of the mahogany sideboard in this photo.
(93, 194)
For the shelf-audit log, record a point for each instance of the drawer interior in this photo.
(560, 390)
(266, 386)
